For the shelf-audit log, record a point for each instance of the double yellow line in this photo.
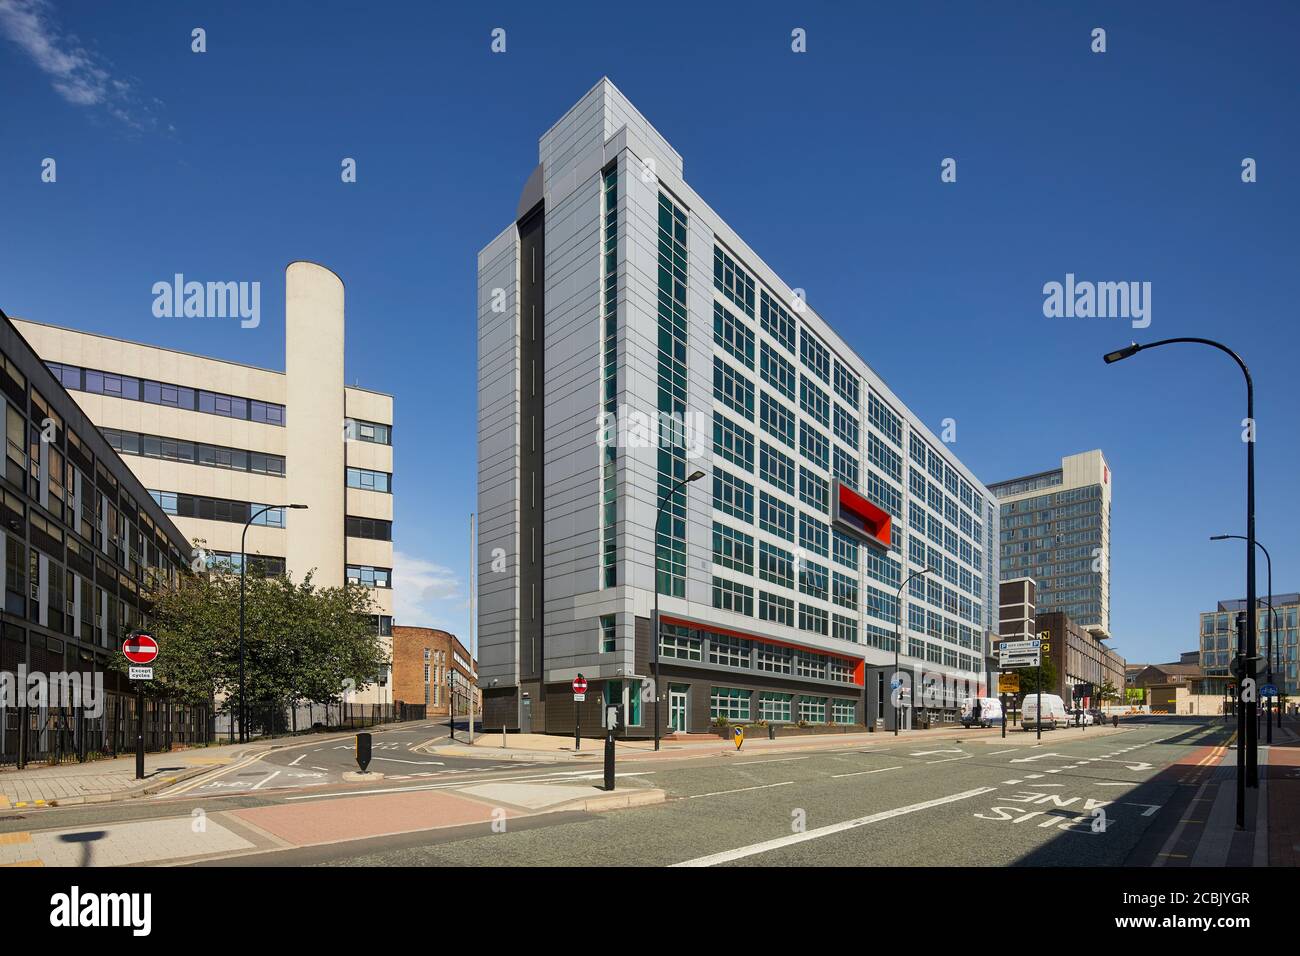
(1210, 760)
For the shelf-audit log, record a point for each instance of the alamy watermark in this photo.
(39, 690)
(208, 300)
(633, 428)
(1102, 300)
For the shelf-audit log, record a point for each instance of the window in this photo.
(733, 496)
(373, 528)
(814, 446)
(776, 419)
(774, 707)
(812, 710)
(729, 651)
(369, 576)
(814, 490)
(359, 430)
(775, 516)
(679, 643)
(810, 664)
(884, 495)
(814, 402)
(844, 591)
(813, 579)
(733, 549)
(776, 371)
(844, 711)
(845, 467)
(843, 629)
(729, 703)
(777, 322)
(814, 355)
(775, 565)
(844, 549)
(846, 428)
(814, 535)
(607, 638)
(774, 608)
(777, 468)
(883, 605)
(733, 389)
(733, 282)
(370, 480)
(846, 384)
(882, 568)
(886, 421)
(733, 335)
(730, 596)
(888, 461)
(812, 619)
(733, 442)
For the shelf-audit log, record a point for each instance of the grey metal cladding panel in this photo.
(498, 463)
(573, 367)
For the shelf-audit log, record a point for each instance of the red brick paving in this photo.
(1283, 770)
(349, 818)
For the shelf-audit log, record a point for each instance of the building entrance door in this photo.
(677, 695)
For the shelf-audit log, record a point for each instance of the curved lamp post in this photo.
(898, 642)
(693, 476)
(243, 560)
(1271, 652)
(1247, 731)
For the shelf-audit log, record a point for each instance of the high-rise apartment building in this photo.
(628, 338)
(215, 441)
(1056, 530)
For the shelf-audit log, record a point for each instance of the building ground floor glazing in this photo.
(711, 678)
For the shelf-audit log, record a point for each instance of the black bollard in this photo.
(609, 760)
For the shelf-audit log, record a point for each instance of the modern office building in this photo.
(628, 338)
(84, 547)
(1055, 528)
(1218, 640)
(214, 441)
(429, 666)
(1078, 655)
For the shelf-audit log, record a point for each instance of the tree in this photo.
(1106, 692)
(1029, 678)
(301, 643)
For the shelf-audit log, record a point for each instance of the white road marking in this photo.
(719, 793)
(421, 763)
(294, 761)
(996, 752)
(861, 772)
(767, 846)
(321, 768)
(265, 780)
(747, 763)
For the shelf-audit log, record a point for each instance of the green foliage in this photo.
(1029, 678)
(1107, 692)
(301, 643)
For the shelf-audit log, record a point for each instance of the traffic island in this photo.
(356, 776)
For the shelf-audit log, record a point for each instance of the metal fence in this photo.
(275, 720)
(62, 734)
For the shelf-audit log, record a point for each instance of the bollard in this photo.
(609, 760)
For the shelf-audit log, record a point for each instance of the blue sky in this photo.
(1117, 166)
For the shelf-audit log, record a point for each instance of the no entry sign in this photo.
(140, 649)
(580, 684)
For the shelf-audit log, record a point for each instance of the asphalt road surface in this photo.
(1098, 797)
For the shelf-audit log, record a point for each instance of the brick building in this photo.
(422, 659)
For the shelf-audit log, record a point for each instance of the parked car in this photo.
(1053, 715)
(990, 712)
(1080, 717)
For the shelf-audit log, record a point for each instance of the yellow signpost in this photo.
(1008, 683)
(739, 733)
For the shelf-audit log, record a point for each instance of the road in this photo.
(1096, 797)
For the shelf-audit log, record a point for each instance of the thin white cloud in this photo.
(426, 594)
(81, 77)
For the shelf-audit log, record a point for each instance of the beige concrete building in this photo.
(214, 441)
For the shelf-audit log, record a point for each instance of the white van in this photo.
(990, 714)
(1054, 714)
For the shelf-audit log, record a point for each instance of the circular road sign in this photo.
(580, 684)
(140, 649)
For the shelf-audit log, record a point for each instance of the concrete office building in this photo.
(1218, 641)
(627, 338)
(1078, 654)
(1055, 528)
(84, 546)
(213, 441)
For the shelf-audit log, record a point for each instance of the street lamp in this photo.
(243, 561)
(1270, 653)
(1246, 732)
(898, 642)
(693, 476)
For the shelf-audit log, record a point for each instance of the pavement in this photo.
(110, 779)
